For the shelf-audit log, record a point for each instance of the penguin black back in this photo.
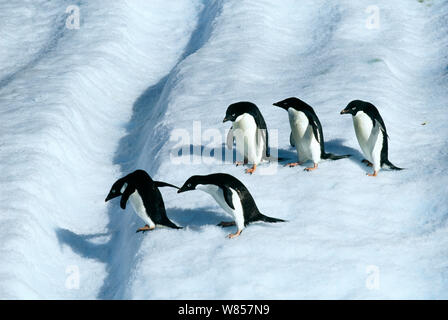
(313, 120)
(372, 112)
(148, 191)
(227, 182)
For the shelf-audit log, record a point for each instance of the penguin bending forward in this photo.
(371, 134)
(145, 197)
(306, 133)
(250, 132)
(232, 196)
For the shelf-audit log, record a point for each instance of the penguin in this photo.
(291, 140)
(232, 196)
(250, 133)
(306, 133)
(145, 197)
(371, 134)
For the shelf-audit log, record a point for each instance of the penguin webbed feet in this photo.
(367, 162)
(144, 229)
(234, 235)
(293, 164)
(225, 224)
(374, 174)
(241, 163)
(311, 168)
(251, 170)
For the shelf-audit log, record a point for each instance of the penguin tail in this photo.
(264, 218)
(391, 166)
(334, 157)
(168, 223)
(279, 159)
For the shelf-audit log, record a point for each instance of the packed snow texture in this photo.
(81, 107)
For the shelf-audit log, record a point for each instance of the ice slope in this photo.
(80, 108)
(341, 222)
(66, 97)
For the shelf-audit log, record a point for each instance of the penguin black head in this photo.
(292, 102)
(117, 188)
(355, 106)
(115, 191)
(190, 184)
(237, 109)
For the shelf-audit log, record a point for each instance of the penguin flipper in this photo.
(125, 196)
(316, 132)
(229, 141)
(314, 122)
(263, 137)
(160, 184)
(291, 140)
(228, 196)
(382, 126)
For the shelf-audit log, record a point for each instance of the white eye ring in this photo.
(189, 185)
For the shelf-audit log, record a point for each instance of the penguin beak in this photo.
(111, 196)
(277, 104)
(184, 188)
(344, 111)
(225, 119)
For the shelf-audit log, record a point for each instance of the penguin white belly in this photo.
(217, 194)
(370, 138)
(245, 133)
(308, 148)
(139, 208)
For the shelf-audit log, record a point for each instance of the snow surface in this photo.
(81, 108)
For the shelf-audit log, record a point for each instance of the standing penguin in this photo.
(371, 134)
(250, 132)
(232, 196)
(306, 133)
(145, 197)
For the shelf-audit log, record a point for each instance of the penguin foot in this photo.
(234, 235)
(374, 174)
(239, 163)
(225, 224)
(369, 164)
(293, 164)
(312, 168)
(251, 170)
(145, 228)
